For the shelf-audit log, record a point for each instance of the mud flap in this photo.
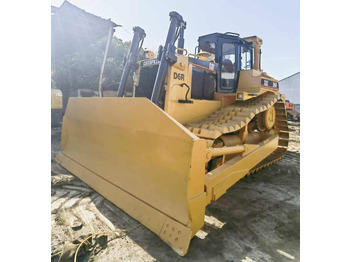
(141, 159)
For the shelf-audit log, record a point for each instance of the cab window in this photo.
(228, 66)
(246, 56)
(208, 47)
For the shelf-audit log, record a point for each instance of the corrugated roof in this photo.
(289, 76)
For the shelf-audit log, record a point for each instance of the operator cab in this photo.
(232, 54)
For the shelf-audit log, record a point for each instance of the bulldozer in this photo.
(195, 125)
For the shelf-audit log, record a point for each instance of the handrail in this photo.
(200, 57)
(182, 49)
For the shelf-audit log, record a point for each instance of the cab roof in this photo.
(213, 37)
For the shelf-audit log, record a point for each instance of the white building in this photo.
(290, 86)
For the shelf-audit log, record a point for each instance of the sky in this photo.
(276, 22)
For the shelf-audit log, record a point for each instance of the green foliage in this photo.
(82, 69)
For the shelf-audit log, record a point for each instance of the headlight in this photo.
(240, 96)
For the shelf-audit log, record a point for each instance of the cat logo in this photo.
(179, 76)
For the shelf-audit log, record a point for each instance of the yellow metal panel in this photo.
(249, 81)
(172, 232)
(142, 153)
(176, 235)
(226, 99)
(140, 210)
(179, 73)
(223, 177)
(187, 113)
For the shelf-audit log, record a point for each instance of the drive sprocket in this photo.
(270, 117)
(266, 120)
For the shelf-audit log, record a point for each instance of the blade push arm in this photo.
(168, 55)
(136, 44)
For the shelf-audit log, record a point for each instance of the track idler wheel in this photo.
(270, 117)
(266, 120)
(260, 122)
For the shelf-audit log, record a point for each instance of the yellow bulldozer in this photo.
(195, 125)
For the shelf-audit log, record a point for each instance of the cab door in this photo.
(229, 65)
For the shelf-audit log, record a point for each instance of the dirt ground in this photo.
(257, 219)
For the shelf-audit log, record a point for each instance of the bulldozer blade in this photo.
(141, 159)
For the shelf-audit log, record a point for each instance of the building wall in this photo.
(290, 86)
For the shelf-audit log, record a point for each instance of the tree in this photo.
(81, 69)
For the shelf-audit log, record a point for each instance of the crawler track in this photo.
(235, 117)
(281, 127)
(232, 118)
